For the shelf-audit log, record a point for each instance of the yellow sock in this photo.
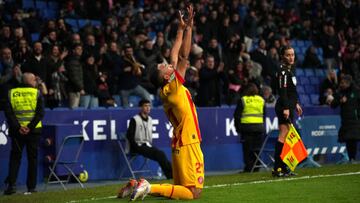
(171, 191)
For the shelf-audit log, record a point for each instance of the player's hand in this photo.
(182, 24)
(286, 113)
(191, 12)
(299, 109)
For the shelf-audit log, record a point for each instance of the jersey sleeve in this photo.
(283, 78)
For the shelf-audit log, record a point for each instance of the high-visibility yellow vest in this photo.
(23, 101)
(253, 111)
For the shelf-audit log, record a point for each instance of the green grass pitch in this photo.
(335, 183)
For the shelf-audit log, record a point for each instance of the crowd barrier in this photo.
(101, 155)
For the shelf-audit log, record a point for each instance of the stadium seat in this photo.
(309, 72)
(300, 43)
(307, 43)
(315, 80)
(311, 89)
(303, 50)
(297, 50)
(66, 158)
(41, 5)
(300, 89)
(320, 73)
(35, 36)
(131, 158)
(304, 80)
(73, 23)
(300, 57)
(314, 99)
(305, 100)
(134, 100)
(49, 14)
(264, 157)
(96, 23)
(26, 4)
(83, 22)
(53, 5)
(299, 72)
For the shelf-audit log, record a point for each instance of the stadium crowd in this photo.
(234, 42)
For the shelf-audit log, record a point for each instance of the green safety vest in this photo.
(23, 101)
(253, 111)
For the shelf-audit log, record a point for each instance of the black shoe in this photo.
(277, 173)
(288, 173)
(32, 190)
(10, 190)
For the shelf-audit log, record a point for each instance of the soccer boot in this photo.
(277, 173)
(141, 190)
(127, 189)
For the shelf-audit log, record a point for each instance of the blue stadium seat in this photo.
(53, 5)
(311, 89)
(304, 100)
(303, 50)
(300, 57)
(73, 23)
(304, 80)
(35, 36)
(319, 52)
(307, 43)
(314, 80)
(41, 5)
(96, 23)
(299, 72)
(300, 89)
(300, 43)
(309, 72)
(49, 14)
(320, 73)
(297, 50)
(134, 100)
(314, 98)
(83, 22)
(26, 4)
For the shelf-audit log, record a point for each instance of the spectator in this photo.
(6, 73)
(330, 46)
(311, 59)
(129, 78)
(74, 68)
(268, 96)
(90, 76)
(36, 63)
(209, 80)
(105, 98)
(22, 51)
(348, 98)
(139, 135)
(238, 78)
(330, 82)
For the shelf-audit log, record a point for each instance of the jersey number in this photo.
(199, 167)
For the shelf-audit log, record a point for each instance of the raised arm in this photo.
(186, 45)
(178, 41)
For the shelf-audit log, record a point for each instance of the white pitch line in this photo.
(237, 184)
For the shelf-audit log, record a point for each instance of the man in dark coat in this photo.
(348, 98)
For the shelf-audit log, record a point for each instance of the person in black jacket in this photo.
(285, 105)
(24, 111)
(348, 98)
(139, 135)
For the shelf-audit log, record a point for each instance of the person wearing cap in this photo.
(139, 135)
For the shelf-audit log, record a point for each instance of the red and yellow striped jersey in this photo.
(181, 112)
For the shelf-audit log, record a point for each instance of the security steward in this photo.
(249, 124)
(24, 112)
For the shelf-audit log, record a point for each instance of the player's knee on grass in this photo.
(196, 192)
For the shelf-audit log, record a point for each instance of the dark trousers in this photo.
(18, 142)
(351, 147)
(251, 144)
(157, 155)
